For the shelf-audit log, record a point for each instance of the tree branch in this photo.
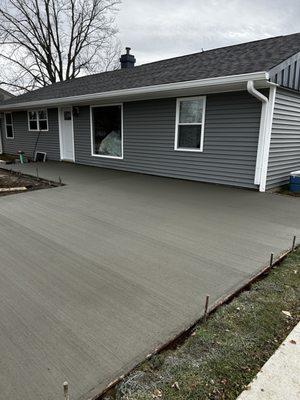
(45, 41)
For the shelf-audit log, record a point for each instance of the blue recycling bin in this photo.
(295, 182)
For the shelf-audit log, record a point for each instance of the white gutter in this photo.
(264, 139)
(144, 90)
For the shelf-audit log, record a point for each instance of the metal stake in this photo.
(294, 243)
(66, 391)
(59, 180)
(206, 307)
(271, 259)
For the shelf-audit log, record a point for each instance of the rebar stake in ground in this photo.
(66, 391)
(206, 307)
(271, 259)
(294, 243)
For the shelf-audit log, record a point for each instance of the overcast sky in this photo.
(157, 29)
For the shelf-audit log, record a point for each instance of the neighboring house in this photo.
(4, 95)
(229, 115)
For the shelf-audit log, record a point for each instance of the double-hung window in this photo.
(9, 128)
(38, 120)
(190, 119)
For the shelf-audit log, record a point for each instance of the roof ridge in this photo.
(219, 48)
(175, 58)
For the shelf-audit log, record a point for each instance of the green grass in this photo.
(223, 354)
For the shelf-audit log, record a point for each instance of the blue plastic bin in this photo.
(295, 182)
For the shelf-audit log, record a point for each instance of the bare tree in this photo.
(47, 41)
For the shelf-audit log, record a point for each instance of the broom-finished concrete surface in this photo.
(98, 273)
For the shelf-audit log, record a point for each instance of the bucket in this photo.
(295, 182)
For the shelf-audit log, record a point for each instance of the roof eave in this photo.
(208, 85)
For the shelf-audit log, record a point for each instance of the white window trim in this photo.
(12, 125)
(38, 120)
(178, 101)
(91, 126)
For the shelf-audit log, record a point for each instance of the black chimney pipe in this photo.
(127, 60)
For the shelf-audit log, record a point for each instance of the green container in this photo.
(22, 157)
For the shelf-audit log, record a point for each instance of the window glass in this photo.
(43, 125)
(191, 111)
(32, 115)
(107, 127)
(33, 125)
(9, 131)
(42, 114)
(189, 136)
(8, 119)
(67, 115)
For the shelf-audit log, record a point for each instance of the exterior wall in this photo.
(284, 156)
(287, 73)
(25, 140)
(230, 140)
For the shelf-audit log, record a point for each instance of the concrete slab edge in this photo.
(96, 392)
(279, 377)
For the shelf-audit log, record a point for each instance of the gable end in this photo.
(287, 73)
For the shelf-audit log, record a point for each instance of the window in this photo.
(9, 126)
(106, 131)
(38, 120)
(190, 116)
(67, 116)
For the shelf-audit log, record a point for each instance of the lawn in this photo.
(222, 355)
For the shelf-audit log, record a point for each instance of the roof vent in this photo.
(127, 60)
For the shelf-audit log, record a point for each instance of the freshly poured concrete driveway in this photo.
(96, 274)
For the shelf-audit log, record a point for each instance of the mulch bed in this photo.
(22, 183)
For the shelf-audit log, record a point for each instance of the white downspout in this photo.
(264, 134)
(1, 143)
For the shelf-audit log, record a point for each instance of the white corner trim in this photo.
(267, 142)
(260, 144)
(265, 129)
(262, 127)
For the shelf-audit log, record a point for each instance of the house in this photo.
(4, 95)
(229, 115)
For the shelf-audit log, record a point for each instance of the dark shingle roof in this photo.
(260, 55)
(4, 94)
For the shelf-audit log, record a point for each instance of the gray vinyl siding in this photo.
(230, 140)
(284, 156)
(25, 140)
